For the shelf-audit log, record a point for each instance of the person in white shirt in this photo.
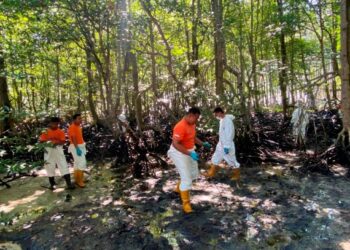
(225, 149)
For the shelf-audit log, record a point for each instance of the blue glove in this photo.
(194, 155)
(227, 151)
(206, 145)
(79, 152)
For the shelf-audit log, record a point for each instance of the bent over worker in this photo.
(225, 149)
(77, 149)
(182, 153)
(54, 154)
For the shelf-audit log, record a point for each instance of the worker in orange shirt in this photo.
(54, 154)
(77, 149)
(182, 153)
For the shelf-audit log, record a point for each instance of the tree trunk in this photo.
(120, 10)
(292, 77)
(282, 76)
(345, 61)
(219, 45)
(309, 88)
(252, 51)
(335, 68)
(106, 72)
(240, 80)
(187, 35)
(323, 60)
(137, 102)
(153, 61)
(91, 89)
(4, 95)
(334, 43)
(58, 80)
(196, 14)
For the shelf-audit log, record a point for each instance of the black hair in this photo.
(218, 110)
(194, 111)
(55, 119)
(75, 116)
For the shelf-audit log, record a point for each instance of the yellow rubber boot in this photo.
(79, 175)
(211, 172)
(81, 184)
(236, 176)
(76, 176)
(177, 189)
(186, 205)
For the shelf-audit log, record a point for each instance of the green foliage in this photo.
(19, 156)
(20, 150)
(46, 45)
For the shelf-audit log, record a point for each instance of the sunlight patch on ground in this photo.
(56, 217)
(249, 203)
(345, 245)
(291, 154)
(42, 172)
(310, 152)
(312, 206)
(151, 182)
(268, 221)
(106, 201)
(134, 196)
(252, 232)
(197, 199)
(285, 156)
(269, 204)
(331, 213)
(13, 204)
(58, 190)
(169, 186)
(276, 170)
(119, 203)
(254, 188)
(29, 197)
(10, 246)
(159, 174)
(339, 170)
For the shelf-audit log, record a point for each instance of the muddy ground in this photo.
(276, 208)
